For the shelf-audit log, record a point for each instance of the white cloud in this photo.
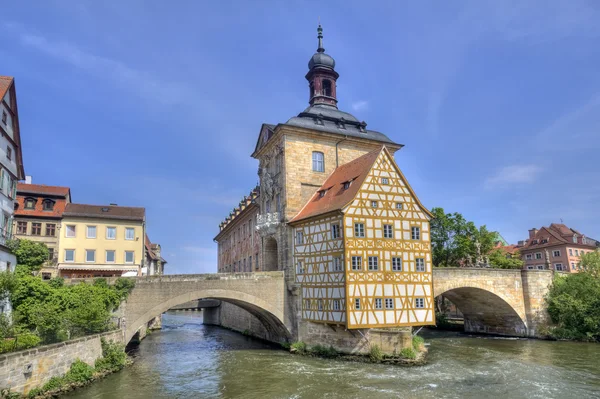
(513, 174)
(360, 105)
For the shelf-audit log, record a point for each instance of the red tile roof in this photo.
(149, 249)
(42, 189)
(38, 211)
(5, 82)
(105, 211)
(555, 234)
(336, 197)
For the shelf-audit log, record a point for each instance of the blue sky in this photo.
(158, 104)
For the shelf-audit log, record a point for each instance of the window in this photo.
(389, 303)
(529, 256)
(318, 161)
(373, 204)
(359, 229)
(573, 267)
(415, 233)
(320, 304)
(384, 180)
(36, 229)
(307, 304)
(356, 263)
(299, 238)
(111, 233)
(575, 238)
(90, 255)
(29, 202)
(4, 117)
(8, 152)
(327, 88)
(357, 304)
(396, 264)
(558, 266)
(373, 263)
(337, 264)
(336, 304)
(46, 276)
(335, 231)
(388, 232)
(90, 232)
(300, 267)
(378, 303)
(529, 267)
(50, 229)
(570, 252)
(48, 205)
(129, 233)
(420, 264)
(347, 185)
(322, 193)
(556, 254)
(540, 267)
(538, 255)
(399, 206)
(21, 227)
(69, 255)
(129, 256)
(419, 303)
(50, 253)
(576, 252)
(110, 256)
(70, 230)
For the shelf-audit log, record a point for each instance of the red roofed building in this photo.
(556, 247)
(38, 214)
(154, 263)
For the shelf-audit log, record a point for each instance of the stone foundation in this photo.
(235, 318)
(32, 368)
(390, 340)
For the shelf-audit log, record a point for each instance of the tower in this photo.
(322, 76)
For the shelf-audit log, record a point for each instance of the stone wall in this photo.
(22, 371)
(236, 318)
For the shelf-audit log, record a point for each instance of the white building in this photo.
(11, 170)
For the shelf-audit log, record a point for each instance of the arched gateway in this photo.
(261, 294)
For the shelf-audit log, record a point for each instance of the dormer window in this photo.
(48, 205)
(347, 184)
(30, 203)
(575, 238)
(544, 241)
(322, 193)
(327, 88)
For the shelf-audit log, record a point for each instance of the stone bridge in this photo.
(507, 302)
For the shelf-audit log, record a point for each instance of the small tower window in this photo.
(312, 89)
(327, 88)
(318, 161)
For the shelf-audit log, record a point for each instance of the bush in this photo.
(35, 392)
(80, 372)
(418, 343)
(20, 342)
(100, 282)
(124, 286)
(324, 351)
(5, 393)
(299, 347)
(55, 383)
(56, 282)
(375, 353)
(408, 353)
(113, 357)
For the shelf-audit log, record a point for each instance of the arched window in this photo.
(327, 88)
(318, 161)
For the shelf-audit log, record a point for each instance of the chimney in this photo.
(533, 232)
(27, 179)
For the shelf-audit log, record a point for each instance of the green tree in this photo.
(590, 263)
(503, 260)
(30, 255)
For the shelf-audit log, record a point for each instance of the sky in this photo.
(159, 104)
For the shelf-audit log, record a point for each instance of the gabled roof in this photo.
(555, 234)
(8, 83)
(149, 249)
(41, 189)
(105, 212)
(336, 196)
(5, 83)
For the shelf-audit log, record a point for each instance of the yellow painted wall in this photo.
(80, 242)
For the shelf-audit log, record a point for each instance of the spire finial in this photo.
(320, 36)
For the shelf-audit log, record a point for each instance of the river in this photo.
(189, 360)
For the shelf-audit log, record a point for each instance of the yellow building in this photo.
(101, 241)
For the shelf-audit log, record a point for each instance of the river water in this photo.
(189, 360)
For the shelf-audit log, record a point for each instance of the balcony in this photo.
(267, 223)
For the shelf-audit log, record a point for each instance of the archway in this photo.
(269, 315)
(270, 255)
(485, 312)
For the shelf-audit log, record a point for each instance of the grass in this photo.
(299, 347)
(324, 351)
(375, 353)
(418, 343)
(408, 353)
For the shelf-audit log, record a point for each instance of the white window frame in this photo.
(554, 253)
(87, 251)
(318, 161)
(540, 267)
(374, 204)
(356, 263)
(133, 257)
(337, 264)
(299, 237)
(530, 267)
(399, 206)
(419, 303)
(320, 305)
(337, 305)
(66, 259)
(576, 252)
(359, 230)
(415, 233)
(558, 266)
(538, 255)
(389, 303)
(357, 303)
(396, 264)
(87, 231)
(114, 256)
(335, 231)
(67, 230)
(570, 251)
(108, 229)
(132, 230)
(373, 263)
(385, 180)
(299, 267)
(420, 266)
(378, 303)
(388, 231)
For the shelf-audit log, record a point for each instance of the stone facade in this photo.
(25, 370)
